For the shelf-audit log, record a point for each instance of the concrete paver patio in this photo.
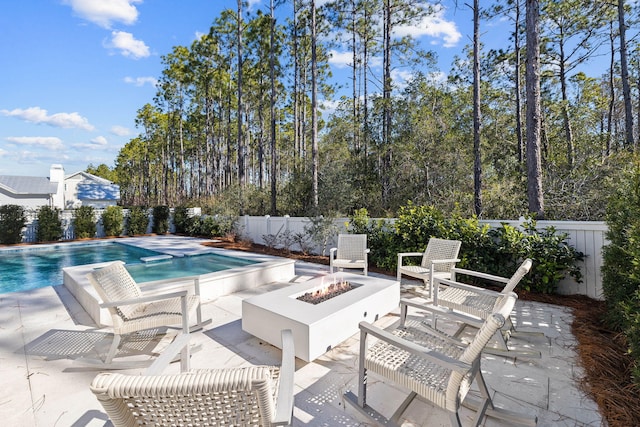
(43, 330)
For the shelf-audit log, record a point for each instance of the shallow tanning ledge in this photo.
(318, 328)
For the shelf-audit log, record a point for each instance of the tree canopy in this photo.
(234, 122)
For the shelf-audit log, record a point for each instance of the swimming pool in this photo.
(33, 267)
(24, 269)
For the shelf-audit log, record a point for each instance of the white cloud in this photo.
(345, 59)
(128, 45)
(106, 12)
(97, 143)
(40, 115)
(31, 157)
(141, 81)
(340, 59)
(434, 25)
(401, 78)
(99, 140)
(49, 142)
(120, 130)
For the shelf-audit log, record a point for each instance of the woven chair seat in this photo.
(473, 303)
(238, 397)
(413, 372)
(158, 313)
(248, 396)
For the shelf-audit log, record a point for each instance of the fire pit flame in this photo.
(326, 292)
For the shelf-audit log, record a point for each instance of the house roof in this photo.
(27, 185)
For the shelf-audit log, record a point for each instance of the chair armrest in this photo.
(444, 260)
(284, 404)
(149, 298)
(416, 349)
(366, 251)
(481, 275)
(333, 252)
(407, 254)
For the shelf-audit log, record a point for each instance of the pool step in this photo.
(155, 258)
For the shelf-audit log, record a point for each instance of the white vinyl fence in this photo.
(587, 237)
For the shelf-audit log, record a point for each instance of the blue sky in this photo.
(76, 71)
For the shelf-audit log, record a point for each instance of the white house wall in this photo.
(27, 202)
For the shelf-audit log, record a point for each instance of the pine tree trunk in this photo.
(534, 163)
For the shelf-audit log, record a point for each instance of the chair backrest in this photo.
(351, 246)
(459, 384)
(441, 249)
(237, 396)
(517, 276)
(114, 283)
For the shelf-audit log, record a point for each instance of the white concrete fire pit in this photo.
(319, 327)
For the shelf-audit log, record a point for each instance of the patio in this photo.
(49, 324)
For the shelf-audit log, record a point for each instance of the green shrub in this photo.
(497, 251)
(215, 225)
(621, 265)
(113, 221)
(84, 224)
(552, 256)
(137, 221)
(12, 222)
(49, 225)
(181, 220)
(161, 216)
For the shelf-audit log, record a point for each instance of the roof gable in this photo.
(87, 178)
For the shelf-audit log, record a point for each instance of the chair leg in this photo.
(362, 371)
(113, 350)
(454, 418)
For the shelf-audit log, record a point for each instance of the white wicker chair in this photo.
(246, 396)
(432, 365)
(471, 305)
(438, 259)
(351, 253)
(131, 311)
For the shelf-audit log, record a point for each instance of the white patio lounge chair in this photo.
(440, 256)
(351, 253)
(132, 311)
(471, 306)
(246, 396)
(438, 368)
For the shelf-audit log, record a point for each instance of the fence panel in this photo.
(587, 237)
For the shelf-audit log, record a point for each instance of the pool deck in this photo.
(42, 331)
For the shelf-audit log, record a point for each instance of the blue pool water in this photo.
(184, 266)
(35, 267)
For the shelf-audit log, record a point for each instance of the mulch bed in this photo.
(602, 352)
